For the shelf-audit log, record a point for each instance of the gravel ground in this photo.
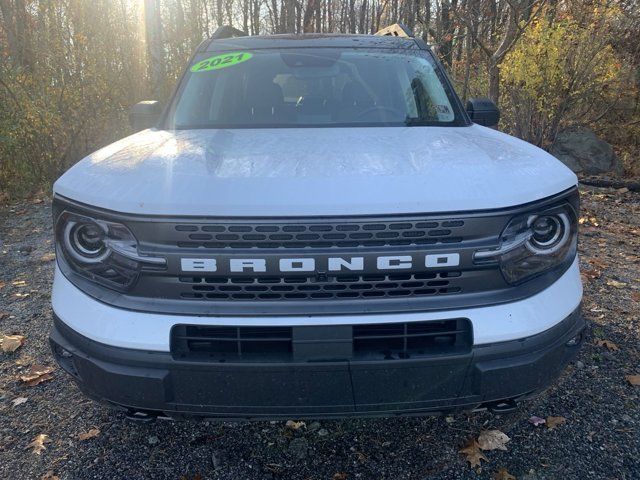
(600, 439)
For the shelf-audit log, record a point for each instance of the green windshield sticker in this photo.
(221, 61)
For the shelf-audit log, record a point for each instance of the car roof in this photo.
(308, 40)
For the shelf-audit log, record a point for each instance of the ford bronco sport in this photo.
(315, 226)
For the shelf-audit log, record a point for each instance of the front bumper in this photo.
(155, 382)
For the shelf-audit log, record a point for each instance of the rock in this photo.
(153, 440)
(583, 152)
(579, 364)
(299, 448)
(215, 460)
(313, 426)
(531, 475)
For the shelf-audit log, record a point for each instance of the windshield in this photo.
(312, 88)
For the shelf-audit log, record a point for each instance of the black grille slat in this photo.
(334, 287)
(358, 234)
(407, 335)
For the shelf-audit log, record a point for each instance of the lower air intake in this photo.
(387, 341)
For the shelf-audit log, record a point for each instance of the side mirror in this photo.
(483, 112)
(145, 114)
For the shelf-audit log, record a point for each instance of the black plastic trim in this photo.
(124, 216)
(155, 382)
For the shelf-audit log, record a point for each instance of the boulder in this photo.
(583, 152)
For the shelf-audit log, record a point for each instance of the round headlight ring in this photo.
(85, 241)
(549, 233)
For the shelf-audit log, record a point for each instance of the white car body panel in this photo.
(315, 172)
(150, 331)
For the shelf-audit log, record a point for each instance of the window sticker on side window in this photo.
(221, 61)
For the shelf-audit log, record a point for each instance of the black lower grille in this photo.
(222, 343)
(406, 340)
(387, 341)
(319, 288)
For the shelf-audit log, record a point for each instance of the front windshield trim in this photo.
(460, 118)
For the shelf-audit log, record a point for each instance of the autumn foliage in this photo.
(70, 69)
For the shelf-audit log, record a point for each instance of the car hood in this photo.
(314, 172)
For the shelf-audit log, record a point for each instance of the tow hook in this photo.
(502, 406)
(140, 417)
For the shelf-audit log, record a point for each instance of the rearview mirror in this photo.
(145, 114)
(483, 112)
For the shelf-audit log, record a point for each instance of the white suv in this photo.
(315, 226)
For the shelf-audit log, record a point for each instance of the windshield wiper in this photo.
(420, 122)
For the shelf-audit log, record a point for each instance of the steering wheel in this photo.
(375, 108)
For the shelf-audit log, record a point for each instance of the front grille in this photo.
(319, 235)
(387, 341)
(323, 288)
(320, 290)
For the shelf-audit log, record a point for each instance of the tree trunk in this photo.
(154, 47)
(308, 20)
(8, 20)
(494, 83)
(16, 19)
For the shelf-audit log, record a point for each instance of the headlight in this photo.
(102, 251)
(535, 243)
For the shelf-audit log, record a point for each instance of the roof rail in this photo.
(227, 31)
(395, 30)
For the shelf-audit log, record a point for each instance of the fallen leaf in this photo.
(623, 190)
(19, 401)
(37, 444)
(94, 432)
(635, 296)
(535, 421)
(291, 425)
(553, 422)
(492, 440)
(24, 360)
(590, 274)
(37, 374)
(340, 476)
(49, 476)
(612, 347)
(4, 315)
(633, 380)
(48, 257)
(10, 343)
(596, 262)
(472, 451)
(502, 474)
(19, 283)
(616, 284)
